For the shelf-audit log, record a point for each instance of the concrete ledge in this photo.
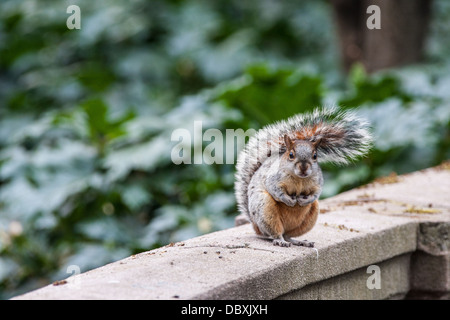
(401, 226)
(394, 276)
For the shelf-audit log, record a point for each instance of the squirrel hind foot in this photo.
(302, 243)
(281, 242)
(288, 242)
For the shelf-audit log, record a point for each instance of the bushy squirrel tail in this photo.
(343, 137)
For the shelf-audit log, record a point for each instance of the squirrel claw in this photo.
(281, 243)
(303, 243)
(303, 200)
(307, 244)
(287, 200)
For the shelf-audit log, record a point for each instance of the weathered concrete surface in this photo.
(401, 227)
(394, 284)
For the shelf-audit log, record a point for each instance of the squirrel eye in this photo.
(315, 155)
(291, 155)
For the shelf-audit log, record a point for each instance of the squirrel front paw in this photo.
(304, 200)
(288, 200)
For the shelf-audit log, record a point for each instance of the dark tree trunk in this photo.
(400, 41)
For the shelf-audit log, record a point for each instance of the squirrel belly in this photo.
(279, 219)
(274, 219)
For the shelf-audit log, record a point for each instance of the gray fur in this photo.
(256, 189)
(277, 192)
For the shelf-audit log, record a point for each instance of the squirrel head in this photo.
(300, 156)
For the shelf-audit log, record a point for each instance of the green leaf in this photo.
(101, 129)
(96, 76)
(273, 95)
(372, 89)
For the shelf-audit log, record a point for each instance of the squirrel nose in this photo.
(303, 168)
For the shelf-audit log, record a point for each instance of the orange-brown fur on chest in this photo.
(297, 220)
(285, 220)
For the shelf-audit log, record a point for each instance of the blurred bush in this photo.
(86, 118)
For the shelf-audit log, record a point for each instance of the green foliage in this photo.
(101, 129)
(87, 116)
(370, 89)
(270, 95)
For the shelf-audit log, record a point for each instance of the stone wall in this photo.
(386, 240)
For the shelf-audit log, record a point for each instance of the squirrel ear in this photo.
(288, 142)
(317, 142)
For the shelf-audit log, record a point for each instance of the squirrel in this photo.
(278, 177)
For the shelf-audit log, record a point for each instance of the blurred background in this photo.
(86, 116)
